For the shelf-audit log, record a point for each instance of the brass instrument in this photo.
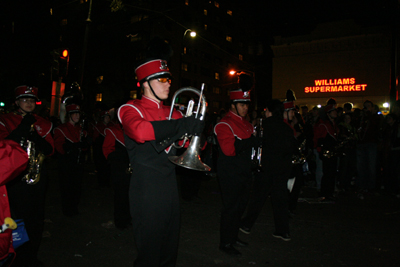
(35, 161)
(190, 159)
(299, 157)
(63, 110)
(340, 149)
(256, 153)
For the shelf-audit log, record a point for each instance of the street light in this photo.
(192, 33)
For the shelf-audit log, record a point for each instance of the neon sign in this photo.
(335, 86)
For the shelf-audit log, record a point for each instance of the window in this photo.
(133, 94)
(184, 50)
(229, 38)
(184, 66)
(240, 57)
(216, 75)
(64, 22)
(205, 26)
(229, 12)
(99, 97)
(205, 12)
(99, 79)
(187, 2)
(216, 4)
(216, 90)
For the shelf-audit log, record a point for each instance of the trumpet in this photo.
(190, 159)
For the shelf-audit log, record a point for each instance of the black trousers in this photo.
(235, 195)
(120, 182)
(27, 202)
(258, 196)
(275, 184)
(70, 182)
(329, 169)
(154, 204)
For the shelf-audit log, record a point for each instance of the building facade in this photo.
(341, 59)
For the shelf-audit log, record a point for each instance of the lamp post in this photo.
(192, 34)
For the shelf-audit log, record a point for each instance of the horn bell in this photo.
(190, 159)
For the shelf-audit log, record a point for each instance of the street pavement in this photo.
(349, 232)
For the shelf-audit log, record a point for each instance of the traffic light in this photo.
(63, 62)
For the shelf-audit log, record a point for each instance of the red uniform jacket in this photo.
(67, 131)
(113, 133)
(230, 127)
(10, 121)
(13, 160)
(325, 133)
(98, 130)
(138, 114)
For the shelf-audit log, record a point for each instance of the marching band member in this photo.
(278, 146)
(153, 192)
(325, 139)
(27, 200)
(290, 118)
(117, 157)
(236, 139)
(13, 160)
(69, 139)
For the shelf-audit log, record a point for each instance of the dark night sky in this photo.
(283, 17)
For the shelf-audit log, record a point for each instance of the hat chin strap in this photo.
(237, 111)
(151, 88)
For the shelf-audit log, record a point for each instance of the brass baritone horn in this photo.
(35, 161)
(190, 159)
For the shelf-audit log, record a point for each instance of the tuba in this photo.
(190, 159)
(35, 161)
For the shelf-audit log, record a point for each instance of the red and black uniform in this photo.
(297, 169)
(153, 192)
(235, 138)
(27, 202)
(13, 161)
(117, 156)
(102, 169)
(278, 144)
(70, 147)
(278, 147)
(325, 139)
